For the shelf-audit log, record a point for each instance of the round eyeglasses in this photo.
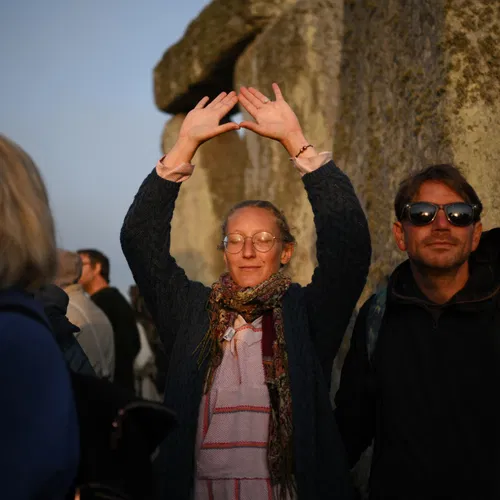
(261, 241)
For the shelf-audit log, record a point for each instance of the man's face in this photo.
(88, 272)
(438, 245)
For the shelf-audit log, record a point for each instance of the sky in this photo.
(76, 92)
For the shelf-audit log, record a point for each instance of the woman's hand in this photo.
(202, 122)
(200, 125)
(273, 119)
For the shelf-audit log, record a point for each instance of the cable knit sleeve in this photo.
(343, 252)
(145, 240)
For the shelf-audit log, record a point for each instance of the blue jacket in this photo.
(39, 446)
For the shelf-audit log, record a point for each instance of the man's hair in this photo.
(97, 257)
(69, 268)
(444, 173)
(27, 237)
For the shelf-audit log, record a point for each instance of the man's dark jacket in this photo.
(315, 318)
(126, 336)
(429, 397)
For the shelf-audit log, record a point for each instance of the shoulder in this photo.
(83, 306)
(294, 296)
(26, 341)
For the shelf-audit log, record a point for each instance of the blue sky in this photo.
(77, 95)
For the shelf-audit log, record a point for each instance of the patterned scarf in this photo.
(226, 301)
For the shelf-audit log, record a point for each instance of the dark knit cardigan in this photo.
(315, 319)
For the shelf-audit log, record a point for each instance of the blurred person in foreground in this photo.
(250, 358)
(96, 333)
(95, 281)
(39, 446)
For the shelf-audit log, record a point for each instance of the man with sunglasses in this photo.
(423, 379)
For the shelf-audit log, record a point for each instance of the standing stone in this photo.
(420, 84)
(202, 62)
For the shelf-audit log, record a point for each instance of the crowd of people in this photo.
(188, 391)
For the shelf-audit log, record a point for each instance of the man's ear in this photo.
(98, 268)
(286, 253)
(399, 235)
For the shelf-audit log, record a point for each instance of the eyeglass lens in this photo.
(262, 242)
(423, 213)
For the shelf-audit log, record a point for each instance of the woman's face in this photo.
(249, 266)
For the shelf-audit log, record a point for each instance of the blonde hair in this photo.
(28, 256)
(69, 268)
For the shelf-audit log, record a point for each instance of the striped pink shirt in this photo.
(231, 444)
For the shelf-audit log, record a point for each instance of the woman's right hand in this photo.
(200, 125)
(202, 122)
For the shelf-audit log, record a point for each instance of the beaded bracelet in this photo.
(302, 149)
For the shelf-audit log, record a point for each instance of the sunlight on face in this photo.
(439, 245)
(249, 267)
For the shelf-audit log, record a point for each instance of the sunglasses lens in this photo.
(460, 214)
(421, 214)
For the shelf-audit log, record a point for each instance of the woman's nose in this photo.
(248, 248)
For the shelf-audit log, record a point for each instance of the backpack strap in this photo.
(374, 320)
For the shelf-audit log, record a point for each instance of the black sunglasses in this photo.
(421, 213)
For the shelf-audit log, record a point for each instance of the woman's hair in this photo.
(28, 257)
(285, 233)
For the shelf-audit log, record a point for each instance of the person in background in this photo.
(95, 281)
(146, 324)
(39, 445)
(96, 333)
(55, 304)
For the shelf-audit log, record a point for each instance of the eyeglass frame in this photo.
(407, 207)
(222, 245)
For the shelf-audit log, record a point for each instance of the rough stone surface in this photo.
(423, 90)
(203, 201)
(301, 52)
(202, 62)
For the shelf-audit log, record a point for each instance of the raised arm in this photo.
(343, 243)
(343, 252)
(145, 235)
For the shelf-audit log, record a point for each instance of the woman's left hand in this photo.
(273, 119)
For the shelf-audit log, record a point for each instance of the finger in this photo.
(254, 127)
(259, 95)
(229, 102)
(202, 103)
(227, 127)
(247, 105)
(277, 92)
(255, 101)
(217, 100)
(230, 99)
